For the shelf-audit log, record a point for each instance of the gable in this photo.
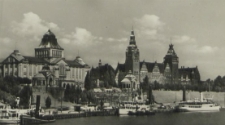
(61, 62)
(10, 59)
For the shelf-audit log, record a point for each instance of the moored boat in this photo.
(40, 120)
(9, 116)
(134, 108)
(202, 105)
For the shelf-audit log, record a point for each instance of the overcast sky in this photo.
(100, 29)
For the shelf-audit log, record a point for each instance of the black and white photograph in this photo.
(112, 62)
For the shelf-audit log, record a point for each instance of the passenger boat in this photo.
(202, 105)
(134, 108)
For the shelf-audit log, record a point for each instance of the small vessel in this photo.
(9, 116)
(41, 120)
(202, 105)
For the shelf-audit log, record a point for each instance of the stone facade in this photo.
(51, 53)
(167, 72)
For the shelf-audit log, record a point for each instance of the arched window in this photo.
(62, 69)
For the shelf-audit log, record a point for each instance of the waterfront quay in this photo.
(73, 114)
(27, 120)
(112, 112)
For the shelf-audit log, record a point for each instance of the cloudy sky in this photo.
(100, 29)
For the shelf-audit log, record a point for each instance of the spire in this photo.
(16, 45)
(171, 51)
(132, 38)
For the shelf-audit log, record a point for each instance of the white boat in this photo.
(128, 107)
(202, 105)
(9, 116)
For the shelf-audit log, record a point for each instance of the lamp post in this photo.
(61, 89)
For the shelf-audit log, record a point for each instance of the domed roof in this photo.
(126, 81)
(45, 67)
(39, 75)
(49, 41)
(80, 60)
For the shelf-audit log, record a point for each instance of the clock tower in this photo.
(132, 62)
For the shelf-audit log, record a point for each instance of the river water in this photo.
(209, 118)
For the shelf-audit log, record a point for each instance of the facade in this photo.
(167, 72)
(49, 52)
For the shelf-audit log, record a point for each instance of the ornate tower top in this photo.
(171, 51)
(132, 38)
(49, 41)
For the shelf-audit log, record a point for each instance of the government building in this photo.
(131, 73)
(48, 66)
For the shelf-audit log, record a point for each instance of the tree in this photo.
(218, 83)
(106, 80)
(87, 82)
(67, 93)
(78, 92)
(48, 102)
(25, 95)
(145, 84)
(72, 93)
(26, 81)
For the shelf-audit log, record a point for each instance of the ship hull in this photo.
(126, 111)
(9, 121)
(198, 108)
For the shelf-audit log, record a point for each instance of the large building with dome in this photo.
(60, 72)
(167, 72)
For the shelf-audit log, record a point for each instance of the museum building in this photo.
(47, 66)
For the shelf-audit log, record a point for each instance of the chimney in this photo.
(184, 94)
(38, 97)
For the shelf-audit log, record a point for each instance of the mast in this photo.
(150, 95)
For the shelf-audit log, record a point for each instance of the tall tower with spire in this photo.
(171, 59)
(132, 62)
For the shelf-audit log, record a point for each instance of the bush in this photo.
(48, 102)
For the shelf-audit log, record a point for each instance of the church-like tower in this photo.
(132, 57)
(49, 49)
(171, 59)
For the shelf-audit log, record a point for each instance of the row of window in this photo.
(43, 53)
(197, 106)
(11, 65)
(11, 73)
(11, 60)
(34, 69)
(56, 53)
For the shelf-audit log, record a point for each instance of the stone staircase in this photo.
(42, 92)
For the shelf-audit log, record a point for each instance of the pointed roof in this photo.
(132, 38)
(144, 67)
(171, 51)
(151, 65)
(17, 55)
(49, 41)
(78, 62)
